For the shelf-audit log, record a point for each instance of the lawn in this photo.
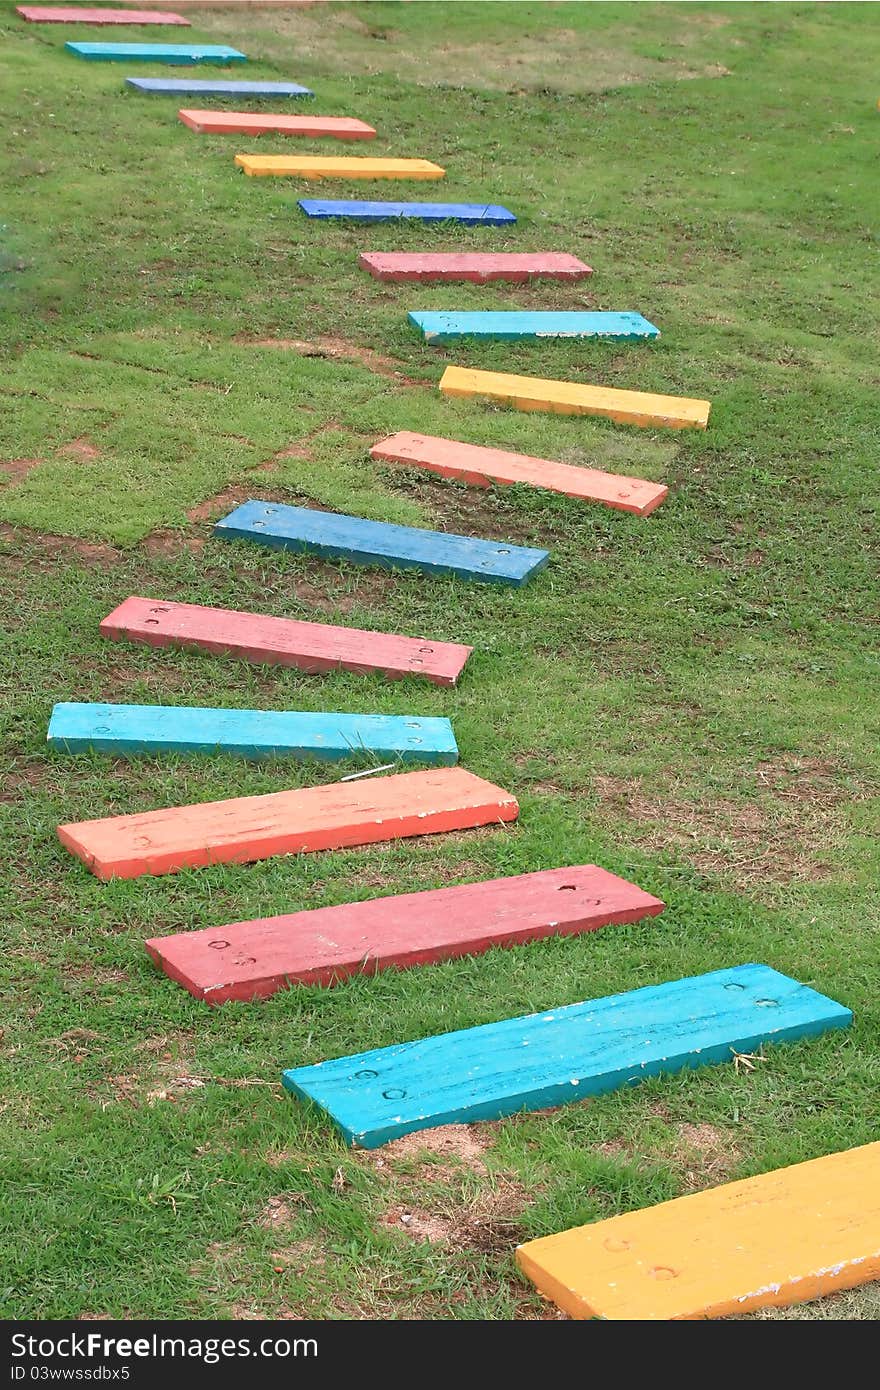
(689, 700)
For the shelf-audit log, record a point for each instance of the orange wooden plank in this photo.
(790, 1235)
(470, 463)
(288, 822)
(314, 166)
(577, 398)
(261, 123)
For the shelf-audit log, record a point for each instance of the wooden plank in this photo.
(312, 647)
(478, 267)
(577, 398)
(156, 52)
(468, 214)
(190, 86)
(362, 542)
(131, 730)
(315, 166)
(512, 325)
(257, 123)
(337, 816)
(794, 1234)
(79, 14)
(563, 1055)
(252, 960)
(469, 463)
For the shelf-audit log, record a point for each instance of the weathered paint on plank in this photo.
(314, 166)
(80, 14)
(252, 960)
(577, 398)
(177, 86)
(362, 542)
(131, 730)
(794, 1234)
(512, 325)
(312, 647)
(469, 463)
(478, 267)
(156, 52)
(563, 1055)
(257, 123)
(469, 214)
(336, 816)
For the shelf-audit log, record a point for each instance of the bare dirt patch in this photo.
(487, 1221)
(81, 448)
(280, 1211)
(61, 546)
(454, 1145)
(14, 470)
(341, 349)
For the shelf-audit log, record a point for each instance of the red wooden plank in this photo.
(312, 647)
(480, 267)
(259, 123)
(289, 822)
(251, 960)
(69, 14)
(470, 463)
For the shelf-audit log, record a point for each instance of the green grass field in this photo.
(690, 700)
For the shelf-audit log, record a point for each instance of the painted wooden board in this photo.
(512, 325)
(786, 1236)
(362, 542)
(176, 86)
(80, 14)
(336, 816)
(316, 166)
(469, 463)
(251, 960)
(312, 647)
(577, 398)
(156, 52)
(130, 730)
(563, 1055)
(469, 214)
(257, 123)
(479, 267)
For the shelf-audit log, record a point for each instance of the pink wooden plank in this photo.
(251, 960)
(480, 267)
(260, 123)
(71, 14)
(312, 647)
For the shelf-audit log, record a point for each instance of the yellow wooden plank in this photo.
(787, 1236)
(316, 166)
(577, 398)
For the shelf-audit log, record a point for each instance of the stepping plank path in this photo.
(563, 1055)
(290, 822)
(186, 86)
(156, 52)
(362, 542)
(312, 647)
(255, 123)
(468, 214)
(786, 1236)
(475, 266)
(511, 325)
(130, 730)
(315, 166)
(469, 463)
(79, 14)
(252, 960)
(575, 398)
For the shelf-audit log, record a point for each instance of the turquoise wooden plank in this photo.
(363, 542)
(156, 52)
(563, 1055)
(469, 214)
(188, 86)
(129, 730)
(512, 324)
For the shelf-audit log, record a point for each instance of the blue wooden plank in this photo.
(564, 1055)
(512, 324)
(186, 86)
(157, 52)
(470, 214)
(363, 542)
(129, 730)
